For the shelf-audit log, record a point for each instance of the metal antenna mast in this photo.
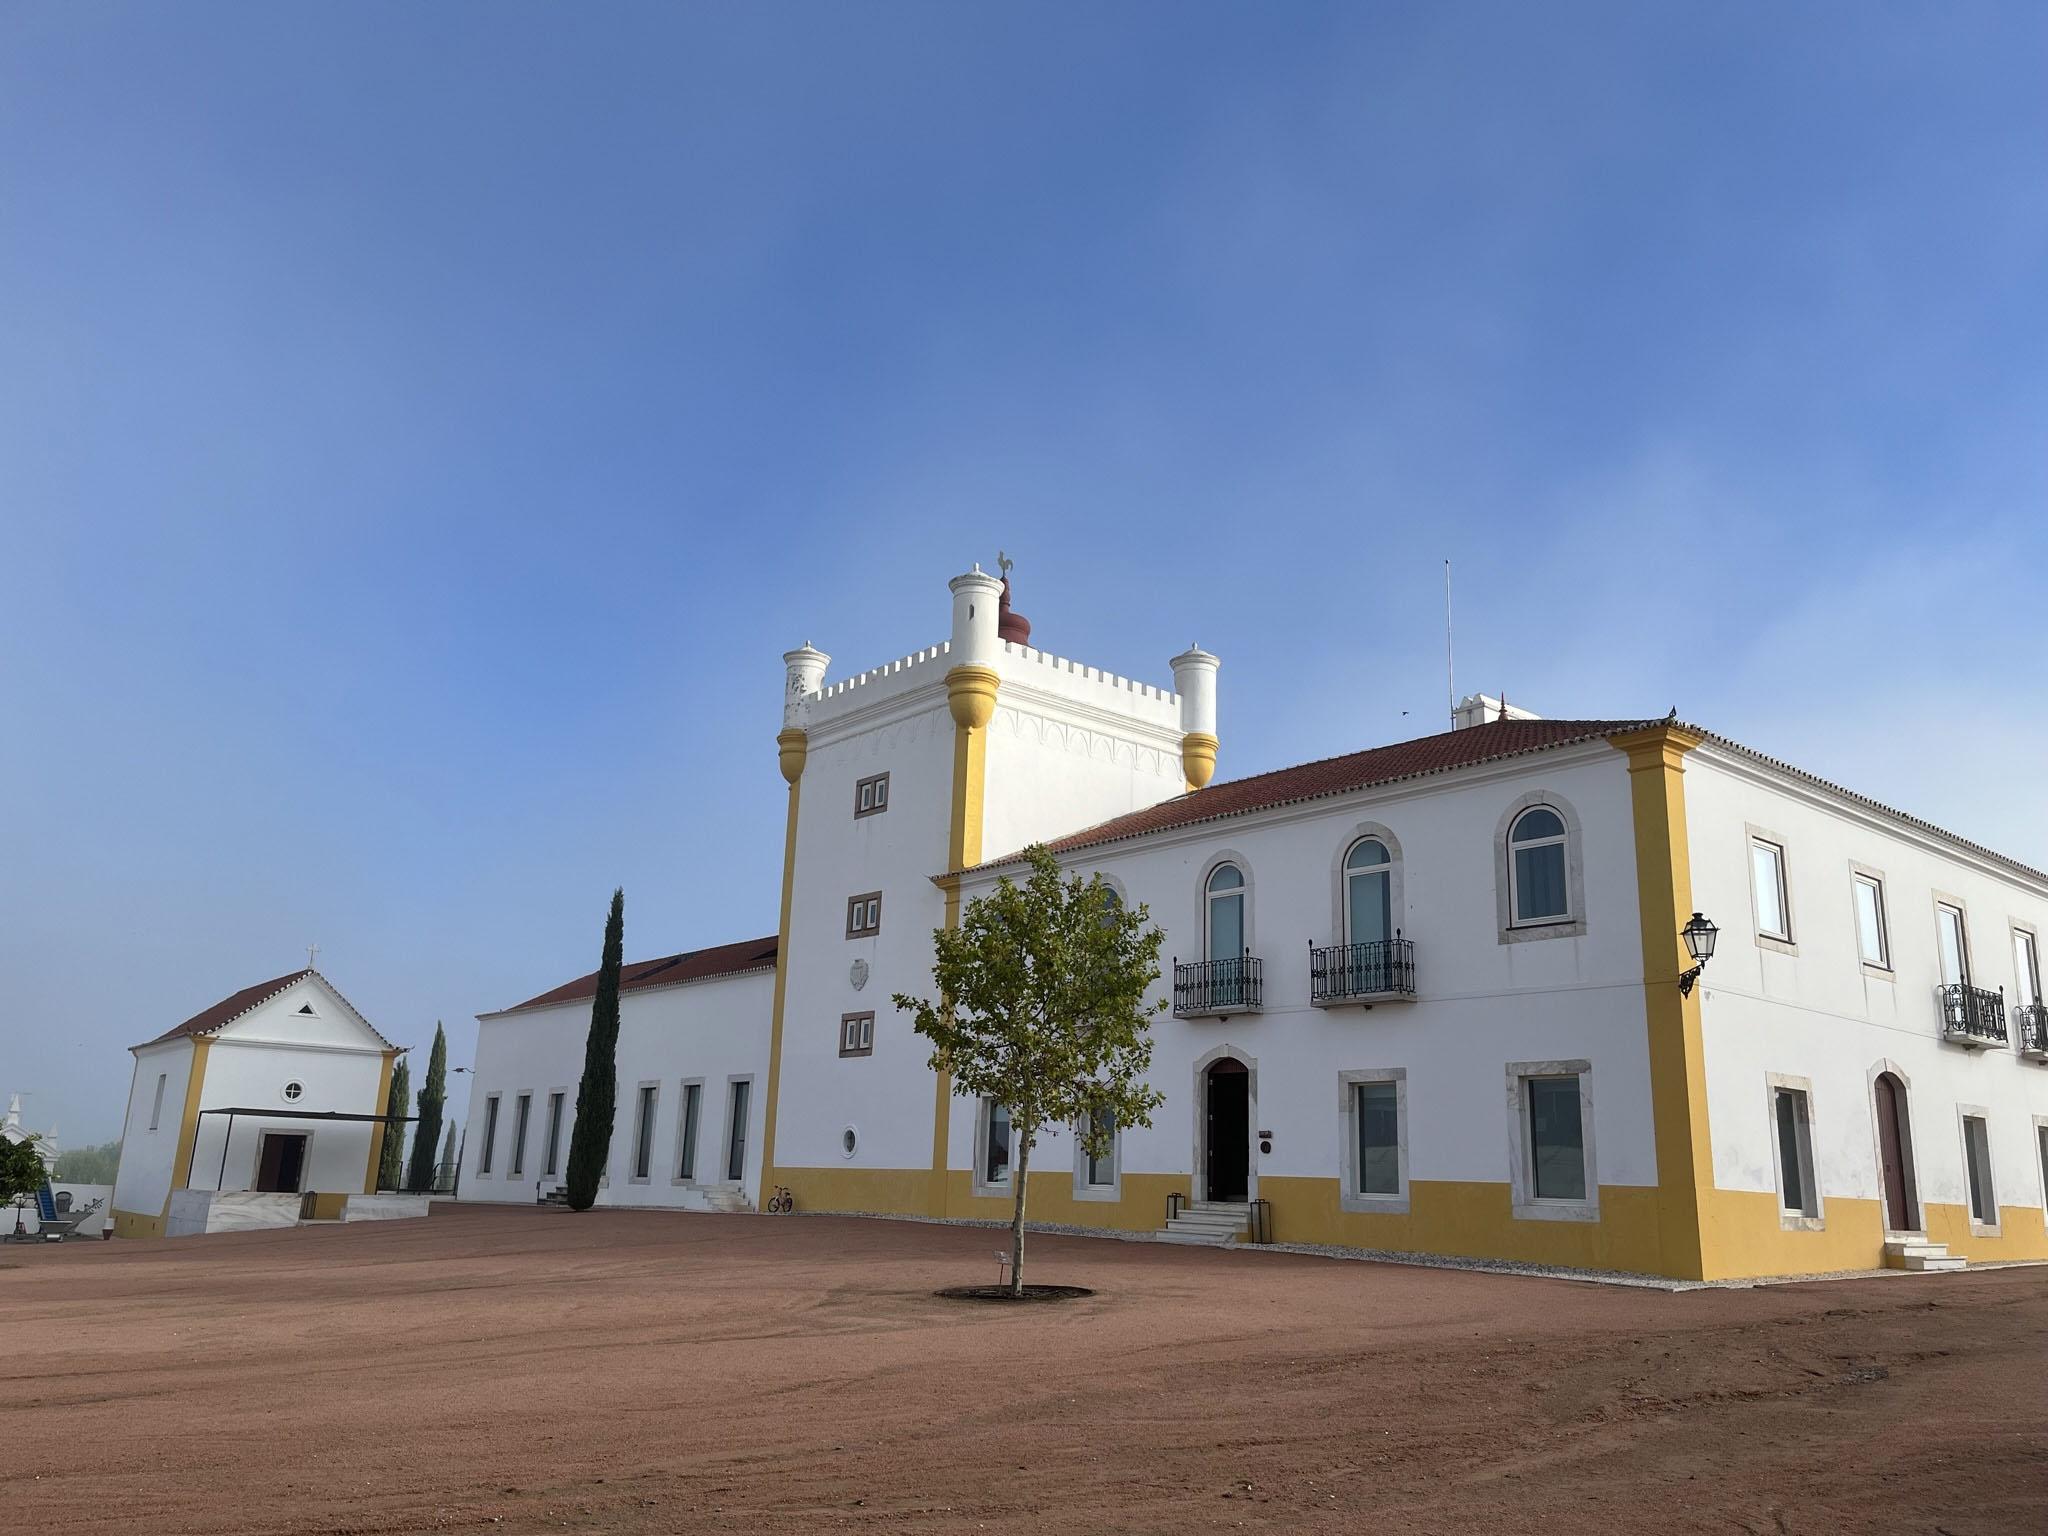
(1450, 668)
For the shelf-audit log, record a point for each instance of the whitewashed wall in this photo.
(1483, 1003)
(1820, 1014)
(712, 1031)
(143, 1180)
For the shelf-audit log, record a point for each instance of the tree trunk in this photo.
(1017, 1220)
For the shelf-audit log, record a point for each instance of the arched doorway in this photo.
(1894, 1150)
(1227, 1131)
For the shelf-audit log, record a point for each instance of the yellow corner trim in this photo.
(1678, 1080)
(379, 1128)
(792, 746)
(781, 965)
(971, 694)
(188, 1123)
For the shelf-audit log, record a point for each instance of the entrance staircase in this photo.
(725, 1197)
(1916, 1255)
(1209, 1223)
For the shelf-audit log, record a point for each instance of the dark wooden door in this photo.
(1228, 1145)
(1899, 1214)
(282, 1166)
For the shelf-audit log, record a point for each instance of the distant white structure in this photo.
(268, 1091)
(12, 1130)
(1430, 996)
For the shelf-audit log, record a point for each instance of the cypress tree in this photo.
(419, 1174)
(447, 1153)
(391, 1161)
(590, 1144)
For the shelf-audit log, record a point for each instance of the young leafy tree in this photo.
(1042, 1009)
(419, 1173)
(391, 1160)
(590, 1143)
(21, 1168)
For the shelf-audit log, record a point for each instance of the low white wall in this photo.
(194, 1211)
(81, 1195)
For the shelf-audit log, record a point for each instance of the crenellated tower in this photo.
(898, 777)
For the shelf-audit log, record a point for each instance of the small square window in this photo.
(864, 915)
(856, 1034)
(871, 796)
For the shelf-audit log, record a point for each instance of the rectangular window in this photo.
(156, 1110)
(483, 1158)
(2026, 964)
(522, 1111)
(1798, 1194)
(1954, 942)
(1977, 1153)
(856, 1034)
(686, 1160)
(1767, 871)
(871, 796)
(554, 1149)
(1102, 1164)
(1376, 1113)
(995, 1143)
(2041, 1147)
(1557, 1139)
(643, 1132)
(1871, 938)
(864, 915)
(736, 1133)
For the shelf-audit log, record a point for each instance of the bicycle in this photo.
(782, 1202)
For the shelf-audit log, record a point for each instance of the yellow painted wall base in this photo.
(1476, 1220)
(1051, 1198)
(1473, 1220)
(129, 1224)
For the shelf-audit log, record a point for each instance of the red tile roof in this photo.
(1341, 775)
(232, 1007)
(690, 965)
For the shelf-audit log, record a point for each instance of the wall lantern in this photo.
(1699, 936)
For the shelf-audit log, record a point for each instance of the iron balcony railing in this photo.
(2031, 1020)
(1972, 1015)
(1357, 973)
(1213, 988)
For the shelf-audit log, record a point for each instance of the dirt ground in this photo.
(531, 1370)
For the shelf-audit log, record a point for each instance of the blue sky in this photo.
(422, 429)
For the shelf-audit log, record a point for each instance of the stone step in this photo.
(1197, 1239)
(1917, 1254)
(1921, 1261)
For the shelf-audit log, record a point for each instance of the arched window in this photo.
(1539, 891)
(1368, 893)
(1226, 913)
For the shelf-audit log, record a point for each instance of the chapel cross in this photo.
(312, 957)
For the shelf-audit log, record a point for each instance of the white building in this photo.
(279, 1088)
(1426, 997)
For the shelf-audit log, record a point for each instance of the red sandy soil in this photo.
(532, 1370)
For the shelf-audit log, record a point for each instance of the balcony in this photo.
(2031, 1020)
(1382, 971)
(1216, 989)
(1971, 1015)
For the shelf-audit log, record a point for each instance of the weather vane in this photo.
(1003, 564)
